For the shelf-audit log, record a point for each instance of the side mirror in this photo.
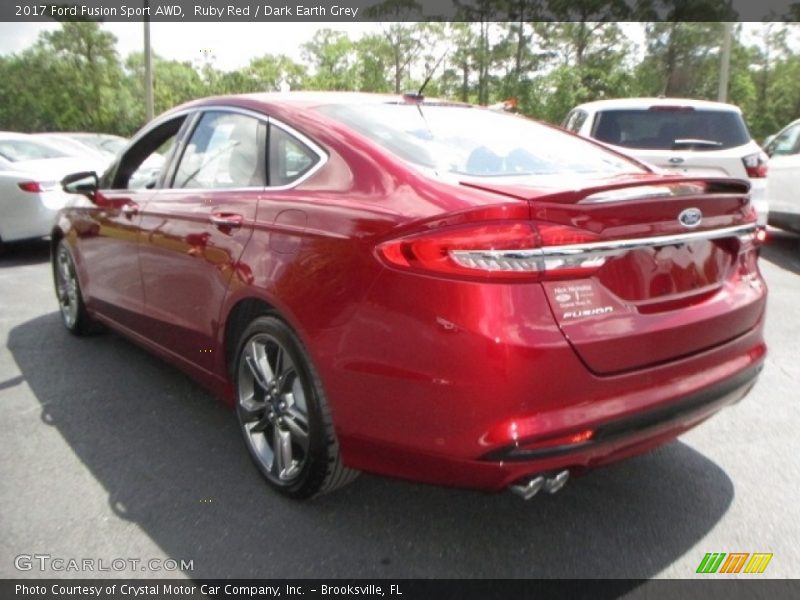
(85, 182)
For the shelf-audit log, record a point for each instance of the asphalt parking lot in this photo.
(109, 453)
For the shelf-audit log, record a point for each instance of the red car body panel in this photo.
(434, 378)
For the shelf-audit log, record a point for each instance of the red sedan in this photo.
(420, 289)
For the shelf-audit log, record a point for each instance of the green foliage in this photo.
(73, 79)
(332, 56)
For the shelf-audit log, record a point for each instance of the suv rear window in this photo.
(667, 128)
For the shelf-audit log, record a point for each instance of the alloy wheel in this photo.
(67, 287)
(273, 409)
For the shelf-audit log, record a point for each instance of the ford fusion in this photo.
(419, 289)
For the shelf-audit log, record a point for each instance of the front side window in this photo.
(469, 141)
(141, 165)
(223, 152)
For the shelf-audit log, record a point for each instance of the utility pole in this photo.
(148, 65)
(725, 62)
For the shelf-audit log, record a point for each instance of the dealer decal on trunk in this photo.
(578, 300)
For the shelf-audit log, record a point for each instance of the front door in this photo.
(193, 232)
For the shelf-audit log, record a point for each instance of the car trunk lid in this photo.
(666, 266)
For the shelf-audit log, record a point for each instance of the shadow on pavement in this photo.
(171, 459)
(783, 250)
(16, 254)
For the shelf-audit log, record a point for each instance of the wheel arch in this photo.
(56, 235)
(238, 318)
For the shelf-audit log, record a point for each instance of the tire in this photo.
(283, 412)
(68, 292)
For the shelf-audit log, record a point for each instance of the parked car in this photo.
(100, 150)
(690, 137)
(783, 183)
(420, 289)
(101, 142)
(30, 193)
(68, 143)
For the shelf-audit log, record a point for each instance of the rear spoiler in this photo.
(620, 191)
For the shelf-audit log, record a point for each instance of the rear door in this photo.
(194, 232)
(642, 273)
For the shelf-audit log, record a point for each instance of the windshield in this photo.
(16, 150)
(476, 142)
(671, 128)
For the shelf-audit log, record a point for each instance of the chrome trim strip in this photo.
(579, 254)
(311, 144)
(617, 246)
(198, 110)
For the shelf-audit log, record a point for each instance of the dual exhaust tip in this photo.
(549, 483)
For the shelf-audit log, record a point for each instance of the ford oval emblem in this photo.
(676, 160)
(691, 217)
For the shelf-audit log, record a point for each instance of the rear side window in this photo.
(289, 158)
(666, 128)
(788, 142)
(575, 120)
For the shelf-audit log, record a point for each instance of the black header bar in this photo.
(267, 11)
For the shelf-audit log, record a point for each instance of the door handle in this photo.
(226, 220)
(130, 209)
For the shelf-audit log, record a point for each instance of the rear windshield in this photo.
(476, 142)
(667, 128)
(21, 150)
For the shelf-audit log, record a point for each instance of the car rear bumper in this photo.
(616, 439)
(463, 400)
(33, 216)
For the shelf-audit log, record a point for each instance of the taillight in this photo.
(30, 186)
(37, 186)
(756, 164)
(497, 251)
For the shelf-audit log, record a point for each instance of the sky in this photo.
(233, 44)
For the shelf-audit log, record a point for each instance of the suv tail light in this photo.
(756, 164)
(497, 251)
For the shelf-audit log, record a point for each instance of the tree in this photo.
(275, 73)
(67, 80)
(332, 57)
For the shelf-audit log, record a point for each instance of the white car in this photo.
(783, 183)
(30, 189)
(691, 137)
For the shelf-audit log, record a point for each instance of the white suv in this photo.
(692, 137)
(784, 178)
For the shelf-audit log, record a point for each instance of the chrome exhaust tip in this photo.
(550, 483)
(526, 491)
(555, 483)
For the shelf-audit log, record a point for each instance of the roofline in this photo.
(645, 102)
